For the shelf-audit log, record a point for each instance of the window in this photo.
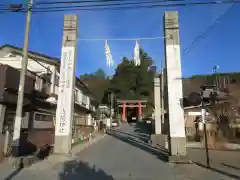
(57, 81)
(42, 117)
(78, 96)
(84, 100)
(38, 83)
(75, 94)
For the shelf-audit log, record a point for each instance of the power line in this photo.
(186, 50)
(104, 5)
(121, 39)
(91, 1)
(73, 8)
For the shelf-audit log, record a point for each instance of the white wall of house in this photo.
(41, 68)
(16, 62)
(89, 119)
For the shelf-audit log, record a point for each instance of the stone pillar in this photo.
(174, 81)
(65, 104)
(157, 104)
(158, 138)
(2, 116)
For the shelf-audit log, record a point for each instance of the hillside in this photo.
(225, 82)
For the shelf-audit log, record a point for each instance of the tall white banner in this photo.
(65, 102)
(108, 55)
(137, 60)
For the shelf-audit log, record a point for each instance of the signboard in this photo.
(65, 103)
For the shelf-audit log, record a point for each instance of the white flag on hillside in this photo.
(137, 60)
(108, 55)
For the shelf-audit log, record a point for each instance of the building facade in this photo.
(40, 97)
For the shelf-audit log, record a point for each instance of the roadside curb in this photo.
(25, 162)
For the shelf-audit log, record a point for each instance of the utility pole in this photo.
(112, 96)
(162, 99)
(215, 72)
(203, 114)
(18, 118)
(111, 107)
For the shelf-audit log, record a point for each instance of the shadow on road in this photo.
(218, 171)
(162, 154)
(75, 170)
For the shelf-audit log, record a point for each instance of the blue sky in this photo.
(220, 46)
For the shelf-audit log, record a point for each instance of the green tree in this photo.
(128, 82)
(131, 82)
(96, 82)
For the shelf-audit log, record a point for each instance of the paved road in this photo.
(123, 155)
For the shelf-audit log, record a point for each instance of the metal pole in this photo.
(162, 100)
(216, 78)
(203, 111)
(111, 106)
(18, 118)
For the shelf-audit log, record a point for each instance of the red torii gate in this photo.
(131, 103)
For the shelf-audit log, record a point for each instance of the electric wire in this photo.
(106, 7)
(142, 6)
(99, 5)
(36, 5)
(203, 34)
(92, 1)
(120, 39)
